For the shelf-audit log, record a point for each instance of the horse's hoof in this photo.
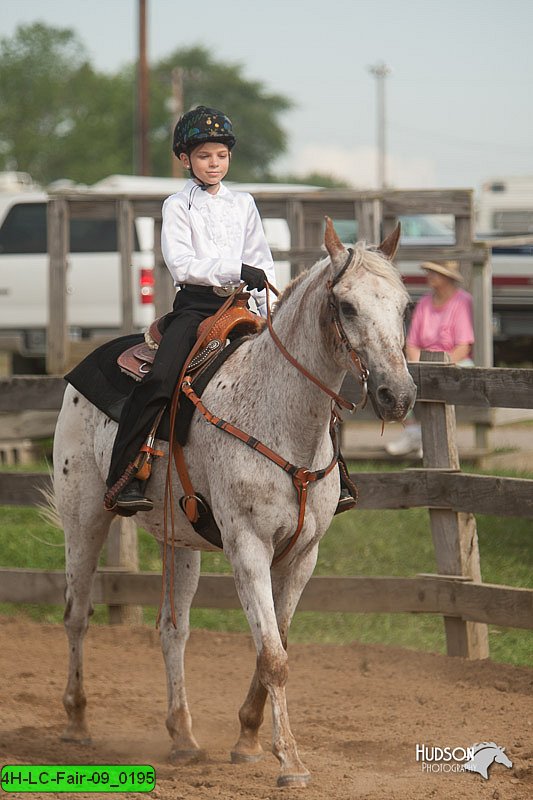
(245, 758)
(76, 738)
(293, 781)
(187, 756)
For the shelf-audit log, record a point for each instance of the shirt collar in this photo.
(197, 197)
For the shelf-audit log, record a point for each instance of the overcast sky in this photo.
(459, 97)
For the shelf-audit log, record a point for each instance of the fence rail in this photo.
(444, 383)
(376, 213)
(410, 488)
(451, 596)
(452, 498)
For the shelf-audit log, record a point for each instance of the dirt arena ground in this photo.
(357, 712)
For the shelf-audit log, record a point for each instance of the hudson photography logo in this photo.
(477, 758)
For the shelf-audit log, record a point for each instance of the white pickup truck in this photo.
(93, 283)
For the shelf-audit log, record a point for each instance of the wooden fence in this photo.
(453, 498)
(376, 213)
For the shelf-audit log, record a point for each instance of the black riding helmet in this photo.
(200, 125)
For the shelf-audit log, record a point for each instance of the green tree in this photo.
(253, 110)
(59, 118)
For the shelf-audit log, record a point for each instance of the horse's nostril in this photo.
(386, 397)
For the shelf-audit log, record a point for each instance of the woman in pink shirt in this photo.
(442, 321)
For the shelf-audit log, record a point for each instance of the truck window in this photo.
(24, 231)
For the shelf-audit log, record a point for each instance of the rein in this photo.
(342, 338)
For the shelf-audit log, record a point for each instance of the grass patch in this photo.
(396, 543)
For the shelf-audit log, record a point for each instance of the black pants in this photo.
(191, 306)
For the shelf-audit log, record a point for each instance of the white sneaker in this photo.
(410, 441)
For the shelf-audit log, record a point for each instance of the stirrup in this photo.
(346, 503)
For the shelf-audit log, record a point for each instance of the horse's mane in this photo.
(365, 257)
(289, 289)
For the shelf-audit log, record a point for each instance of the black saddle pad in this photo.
(99, 378)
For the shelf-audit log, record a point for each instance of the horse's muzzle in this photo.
(392, 406)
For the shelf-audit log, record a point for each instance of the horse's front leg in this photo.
(251, 567)
(173, 641)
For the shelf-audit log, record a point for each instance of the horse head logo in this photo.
(485, 753)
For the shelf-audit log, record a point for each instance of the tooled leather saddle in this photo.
(236, 321)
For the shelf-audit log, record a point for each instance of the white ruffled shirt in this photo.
(205, 238)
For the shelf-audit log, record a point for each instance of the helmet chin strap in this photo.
(199, 185)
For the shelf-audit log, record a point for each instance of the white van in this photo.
(505, 206)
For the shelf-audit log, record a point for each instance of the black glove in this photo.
(254, 277)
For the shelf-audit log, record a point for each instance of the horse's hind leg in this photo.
(173, 641)
(78, 489)
(83, 544)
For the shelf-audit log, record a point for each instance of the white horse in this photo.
(253, 500)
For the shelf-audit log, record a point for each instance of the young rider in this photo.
(212, 239)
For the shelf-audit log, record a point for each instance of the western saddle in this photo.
(236, 321)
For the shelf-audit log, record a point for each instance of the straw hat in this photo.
(448, 268)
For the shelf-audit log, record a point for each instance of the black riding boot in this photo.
(131, 499)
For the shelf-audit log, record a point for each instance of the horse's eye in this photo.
(348, 310)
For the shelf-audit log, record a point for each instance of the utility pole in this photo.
(380, 72)
(143, 156)
(177, 110)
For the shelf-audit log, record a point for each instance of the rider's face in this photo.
(210, 162)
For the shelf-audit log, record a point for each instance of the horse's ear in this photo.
(390, 244)
(334, 246)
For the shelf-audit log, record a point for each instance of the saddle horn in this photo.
(390, 244)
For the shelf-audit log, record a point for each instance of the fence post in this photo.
(368, 216)
(58, 248)
(454, 534)
(122, 552)
(125, 221)
(295, 222)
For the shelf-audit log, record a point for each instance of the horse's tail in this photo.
(48, 510)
